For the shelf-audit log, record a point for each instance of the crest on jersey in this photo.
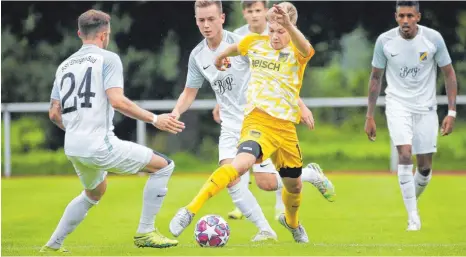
(282, 57)
(423, 56)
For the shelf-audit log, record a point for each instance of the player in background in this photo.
(255, 12)
(88, 87)
(410, 53)
(272, 109)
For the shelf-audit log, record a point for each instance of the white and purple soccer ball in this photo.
(212, 231)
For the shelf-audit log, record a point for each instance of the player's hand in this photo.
(370, 128)
(447, 125)
(279, 15)
(168, 122)
(216, 114)
(222, 63)
(175, 114)
(307, 117)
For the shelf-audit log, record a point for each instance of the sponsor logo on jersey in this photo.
(266, 65)
(405, 72)
(222, 85)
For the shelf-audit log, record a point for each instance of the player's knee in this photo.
(405, 155)
(250, 147)
(425, 171)
(94, 195)
(168, 160)
(293, 186)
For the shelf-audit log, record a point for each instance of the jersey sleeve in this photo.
(379, 60)
(303, 59)
(442, 57)
(194, 79)
(55, 95)
(113, 72)
(245, 44)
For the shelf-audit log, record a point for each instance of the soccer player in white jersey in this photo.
(88, 87)
(230, 89)
(411, 53)
(255, 12)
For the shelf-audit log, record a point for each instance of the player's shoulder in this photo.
(198, 49)
(230, 37)
(242, 31)
(388, 35)
(430, 33)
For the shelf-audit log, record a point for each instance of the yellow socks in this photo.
(292, 203)
(216, 182)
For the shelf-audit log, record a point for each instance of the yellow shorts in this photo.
(278, 139)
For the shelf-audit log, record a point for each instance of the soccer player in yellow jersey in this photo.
(278, 62)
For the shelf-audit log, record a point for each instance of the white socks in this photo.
(406, 181)
(245, 201)
(244, 180)
(278, 195)
(154, 193)
(74, 213)
(421, 182)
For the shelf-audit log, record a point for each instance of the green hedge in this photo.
(338, 148)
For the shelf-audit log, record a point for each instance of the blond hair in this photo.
(291, 10)
(93, 21)
(207, 3)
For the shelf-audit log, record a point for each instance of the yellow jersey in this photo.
(276, 77)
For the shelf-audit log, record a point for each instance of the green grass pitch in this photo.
(368, 218)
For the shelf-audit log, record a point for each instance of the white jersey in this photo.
(244, 30)
(411, 68)
(229, 86)
(80, 84)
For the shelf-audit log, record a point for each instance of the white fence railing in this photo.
(167, 105)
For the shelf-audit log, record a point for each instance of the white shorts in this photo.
(118, 156)
(418, 130)
(227, 148)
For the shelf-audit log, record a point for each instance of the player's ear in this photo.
(419, 17)
(79, 33)
(223, 17)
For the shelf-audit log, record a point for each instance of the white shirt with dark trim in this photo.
(229, 86)
(80, 84)
(411, 68)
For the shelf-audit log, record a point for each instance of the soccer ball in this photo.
(212, 231)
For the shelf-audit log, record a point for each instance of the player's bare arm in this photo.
(451, 87)
(375, 85)
(55, 113)
(184, 101)
(222, 60)
(306, 114)
(216, 114)
(279, 15)
(127, 107)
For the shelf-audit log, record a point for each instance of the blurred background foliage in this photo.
(154, 40)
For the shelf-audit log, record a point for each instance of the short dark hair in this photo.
(247, 4)
(408, 3)
(92, 22)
